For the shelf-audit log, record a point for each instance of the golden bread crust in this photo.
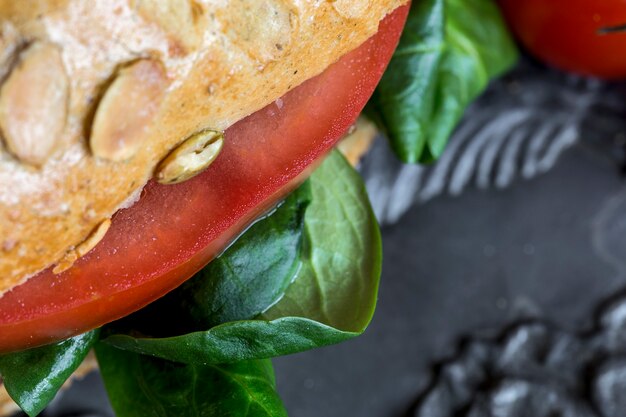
(94, 94)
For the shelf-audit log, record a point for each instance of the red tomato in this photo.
(568, 34)
(174, 230)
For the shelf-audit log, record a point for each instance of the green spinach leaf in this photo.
(32, 377)
(337, 284)
(251, 275)
(333, 295)
(255, 271)
(237, 341)
(448, 52)
(146, 386)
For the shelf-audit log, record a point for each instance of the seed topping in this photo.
(33, 104)
(190, 158)
(83, 248)
(126, 110)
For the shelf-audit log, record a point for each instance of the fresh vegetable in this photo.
(584, 36)
(144, 386)
(330, 297)
(174, 230)
(253, 274)
(446, 57)
(32, 377)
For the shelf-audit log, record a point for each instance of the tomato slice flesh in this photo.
(173, 231)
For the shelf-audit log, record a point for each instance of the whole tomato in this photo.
(583, 36)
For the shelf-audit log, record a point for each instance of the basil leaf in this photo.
(32, 377)
(251, 275)
(332, 298)
(144, 386)
(448, 52)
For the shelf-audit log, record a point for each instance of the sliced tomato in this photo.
(174, 230)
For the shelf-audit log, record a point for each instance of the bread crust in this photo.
(203, 65)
